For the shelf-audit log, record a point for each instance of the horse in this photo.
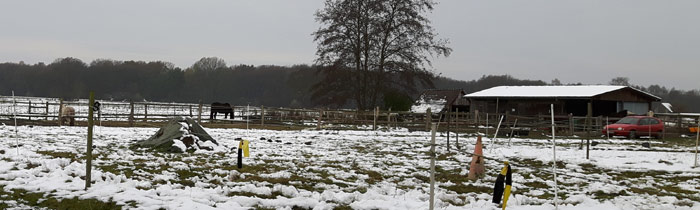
(224, 108)
(67, 115)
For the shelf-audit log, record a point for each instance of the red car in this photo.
(635, 126)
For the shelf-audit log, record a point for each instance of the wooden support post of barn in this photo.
(88, 155)
(199, 113)
(262, 115)
(131, 114)
(428, 119)
(571, 124)
(60, 111)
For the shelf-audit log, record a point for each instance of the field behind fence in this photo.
(38, 110)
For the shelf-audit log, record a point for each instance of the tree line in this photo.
(212, 80)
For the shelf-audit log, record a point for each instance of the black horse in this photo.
(224, 108)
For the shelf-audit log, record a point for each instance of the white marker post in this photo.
(497, 128)
(433, 129)
(697, 137)
(554, 164)
(14, 116)
(487, 125)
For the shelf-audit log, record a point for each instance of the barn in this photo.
(607, 100)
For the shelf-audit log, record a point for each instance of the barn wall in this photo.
(518, 106)
(626, 94)
(607, 104)
(577, 107)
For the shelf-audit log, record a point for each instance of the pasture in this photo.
(334, 169)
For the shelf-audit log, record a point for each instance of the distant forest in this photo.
(211, 80)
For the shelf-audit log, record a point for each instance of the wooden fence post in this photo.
(457, 128)
(145, 112)
(47, 111)
(376, 112)
(199, 114)
(131, 114)
(588, 130)
(262, 115)
(449, 118)
(320, 117)
(388, 118)
(60, 111)
(679, 124)
(88, 165)
(190, 106)
(428, 119)
(663, 132)
(29, 112)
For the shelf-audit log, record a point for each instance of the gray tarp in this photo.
(175, 129)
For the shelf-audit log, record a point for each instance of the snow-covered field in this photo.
(312, 169)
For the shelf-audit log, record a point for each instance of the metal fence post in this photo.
(88, 156)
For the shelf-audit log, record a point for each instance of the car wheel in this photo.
(633, 134)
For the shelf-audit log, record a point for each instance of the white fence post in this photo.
(432, 166)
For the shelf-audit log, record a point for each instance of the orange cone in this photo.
(476, 168)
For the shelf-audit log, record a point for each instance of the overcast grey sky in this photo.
(588, 41)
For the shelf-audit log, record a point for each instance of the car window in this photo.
(644, 121)
(653, 121)
(627, 120)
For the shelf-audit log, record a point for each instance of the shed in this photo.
(439, 100)
(607, 100)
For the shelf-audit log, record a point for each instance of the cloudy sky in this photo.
(588, 41)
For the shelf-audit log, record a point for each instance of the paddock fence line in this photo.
(47, 109)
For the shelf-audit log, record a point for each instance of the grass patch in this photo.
(42, 200)
(69, 155)
(469, 188)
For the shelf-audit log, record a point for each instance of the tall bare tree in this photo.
(366, 47)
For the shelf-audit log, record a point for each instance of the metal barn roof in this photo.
(580, 91)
